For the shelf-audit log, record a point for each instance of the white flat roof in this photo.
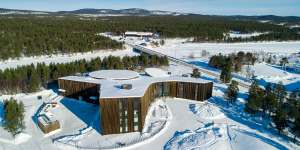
(112, 88)
(156, 72)
(114, 74)
(138, 33)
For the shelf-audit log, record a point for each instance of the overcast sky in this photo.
(212, 7)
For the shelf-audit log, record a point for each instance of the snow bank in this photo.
(205, 138)
(207, 111)
(223, 136)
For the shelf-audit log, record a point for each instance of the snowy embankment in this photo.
(88, 138)
(60, 58)
(207, 111)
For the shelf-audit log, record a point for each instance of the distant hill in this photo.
(90, 12)
(93, 12)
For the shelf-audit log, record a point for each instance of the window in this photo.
(136, 108)
(123, 115)
(160, 89)
(196, 92)
(180, 90)
(166, 89)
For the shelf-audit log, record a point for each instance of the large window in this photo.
(180, 90)
(136, 110)
(196, 91)
(123, 109)
(166, 89)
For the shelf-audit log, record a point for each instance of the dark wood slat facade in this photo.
(80, 90)
(112, 116)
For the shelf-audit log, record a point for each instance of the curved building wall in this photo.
(122, 115)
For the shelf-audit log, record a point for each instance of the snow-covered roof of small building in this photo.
(156, 72)
(139, 33)
(113, 89)
(114, 74)
(46, 119)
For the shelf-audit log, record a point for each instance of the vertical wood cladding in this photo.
(75, 89)
(111, 113)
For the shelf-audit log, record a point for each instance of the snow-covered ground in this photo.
(88, 138)
(244, 35)
(171, 123)
(59, 58)
(180, 49)
(79, 125)
(193, 53)
(266, 73)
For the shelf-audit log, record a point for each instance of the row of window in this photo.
(123, 109)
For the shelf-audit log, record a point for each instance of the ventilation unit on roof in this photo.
(126, 86)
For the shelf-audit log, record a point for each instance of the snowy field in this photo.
(180, 49)
(192, 52)
(13, 63)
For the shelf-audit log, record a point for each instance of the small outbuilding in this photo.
(48, 123)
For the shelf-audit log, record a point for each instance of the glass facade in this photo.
(123, 115)
(136, 109)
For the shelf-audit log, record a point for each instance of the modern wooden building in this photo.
(124, 103)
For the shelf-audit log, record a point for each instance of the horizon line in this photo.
(53, 11)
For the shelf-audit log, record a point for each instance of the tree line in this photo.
(28, 36)
(230, 63)
(31, 78)
(274, 102)
(271, 102)
(32, 36)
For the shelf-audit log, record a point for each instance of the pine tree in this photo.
(280, 119)
(280, 92)
(33, 80)
(14, 116)
(196, 73)
(254, 101)
(226, 72)
(232, 91)
(296, 128)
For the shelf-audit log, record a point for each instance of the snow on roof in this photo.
(114, 74)
(156, 72)
(46, 119)
(139, 33)
(112, 88)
